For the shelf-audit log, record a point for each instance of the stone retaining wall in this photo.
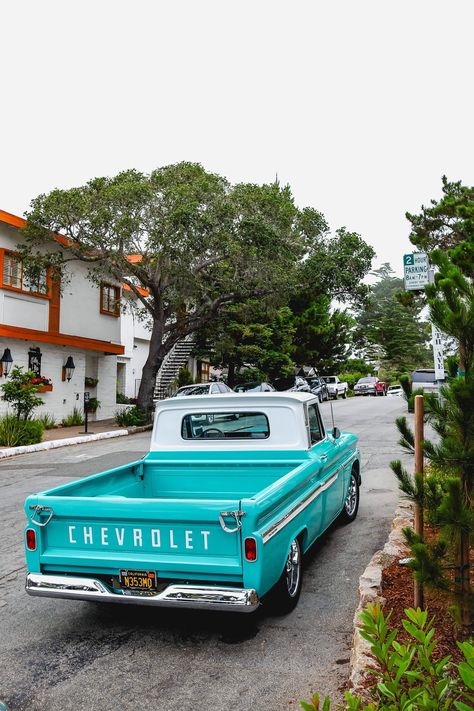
(370, 590)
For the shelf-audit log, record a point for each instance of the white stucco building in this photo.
(42, 328)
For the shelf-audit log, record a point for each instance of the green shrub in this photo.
(184, 377)
(408, 677)
(90, 382)
(75, 418)
(92, 404)
(49, 423)
(16, 433)
(122, 399)
(130, 418)
(20, 392)
(351, 379)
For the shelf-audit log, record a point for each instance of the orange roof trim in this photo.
(12, 220)
(140, 289)
(61, 339)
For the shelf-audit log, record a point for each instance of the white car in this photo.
(217, 388)
(395, 390)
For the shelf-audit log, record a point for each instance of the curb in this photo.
(68, 441)
(370, 590)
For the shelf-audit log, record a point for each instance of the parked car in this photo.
(395, 390)
(254, 388)
(292, 383)
(217, 388)
(335, 386)
(425, 379)
(370, 385)
(319, 388)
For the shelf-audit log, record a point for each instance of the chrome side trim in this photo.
(202, 597)
(296, 510)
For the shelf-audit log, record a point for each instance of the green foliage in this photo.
(76, 417)
(20, 392)
(48, 420)
(130, 418)
(405, 382)
(407, 677)
(122, 399)
(184, 377)
(446, 223)
(16, 433)
(90, 382)
(358, 366)
(92, 404)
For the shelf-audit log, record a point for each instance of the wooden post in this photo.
(419, 435)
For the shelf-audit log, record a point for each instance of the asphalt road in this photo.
(59, 655)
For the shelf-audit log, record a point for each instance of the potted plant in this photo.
(90, 382)
(45, 384)
(92, 405)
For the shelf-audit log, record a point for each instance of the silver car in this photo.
(217, 388)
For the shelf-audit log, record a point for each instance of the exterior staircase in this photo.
(176, 359)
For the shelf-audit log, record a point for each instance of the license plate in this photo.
(140, 580)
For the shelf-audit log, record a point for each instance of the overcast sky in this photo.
(360, 105)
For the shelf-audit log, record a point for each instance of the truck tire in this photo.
(351, 504)
(284, 596)
(344, 395)
(336, 394)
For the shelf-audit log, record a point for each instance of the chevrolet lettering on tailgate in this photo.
(218, 515)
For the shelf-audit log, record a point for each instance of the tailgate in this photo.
(176, 538)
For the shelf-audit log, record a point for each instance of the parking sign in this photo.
(416, 270)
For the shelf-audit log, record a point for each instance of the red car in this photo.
(370, 385)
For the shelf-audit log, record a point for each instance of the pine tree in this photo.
(449, 498)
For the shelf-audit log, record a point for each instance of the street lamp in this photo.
(6, 362)
(68, 369)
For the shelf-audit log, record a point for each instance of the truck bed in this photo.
(182, 478)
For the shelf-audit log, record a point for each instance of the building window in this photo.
(15, 277)
(110, 300)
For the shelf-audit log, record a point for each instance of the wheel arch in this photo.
(356, 470)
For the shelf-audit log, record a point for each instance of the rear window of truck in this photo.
(225, 425)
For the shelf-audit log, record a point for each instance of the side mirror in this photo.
(336, 432)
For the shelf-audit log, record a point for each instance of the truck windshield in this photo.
(225, 425)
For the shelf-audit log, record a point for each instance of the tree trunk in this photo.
(231, 374)
(152, 365)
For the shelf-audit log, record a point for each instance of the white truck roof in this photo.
(285, 413)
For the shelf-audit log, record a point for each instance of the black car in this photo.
(254, 388)
(319, 388)
(293, 383)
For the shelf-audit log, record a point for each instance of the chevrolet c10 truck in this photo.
(216, 516)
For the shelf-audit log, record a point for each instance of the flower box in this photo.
(45, 388)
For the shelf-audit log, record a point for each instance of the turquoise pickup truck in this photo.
(216, 516)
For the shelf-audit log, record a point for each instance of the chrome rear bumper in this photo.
(202, 597)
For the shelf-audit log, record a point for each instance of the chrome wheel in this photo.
(352, 497)
(293, 569)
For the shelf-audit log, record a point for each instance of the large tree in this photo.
(199, 244)
(447, 222)
(391, 332)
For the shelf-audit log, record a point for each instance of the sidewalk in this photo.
(66, 436)
(78, 430)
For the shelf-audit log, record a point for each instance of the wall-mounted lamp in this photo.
(68, 369)
(6, 362)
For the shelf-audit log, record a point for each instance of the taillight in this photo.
(250, 547)
(31, 539)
